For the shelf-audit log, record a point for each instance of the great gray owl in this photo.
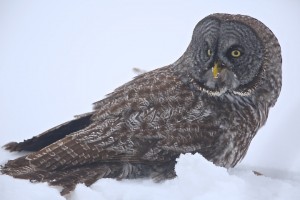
(212, 100)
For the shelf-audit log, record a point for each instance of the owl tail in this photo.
(67, 178)
(88, 174)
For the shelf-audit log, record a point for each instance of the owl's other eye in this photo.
(236, 53)
(209, 52)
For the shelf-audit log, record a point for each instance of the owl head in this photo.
(232, 54)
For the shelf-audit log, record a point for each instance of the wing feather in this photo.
(50, 136)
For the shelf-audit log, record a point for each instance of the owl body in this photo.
(182, 116)
(211, 101)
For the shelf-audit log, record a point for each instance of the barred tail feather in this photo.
(67, 178)
(88, 174)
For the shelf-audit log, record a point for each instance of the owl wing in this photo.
(150, 119)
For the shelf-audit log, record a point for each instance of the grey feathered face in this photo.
(227, 55)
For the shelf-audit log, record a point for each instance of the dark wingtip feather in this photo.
(52, 135)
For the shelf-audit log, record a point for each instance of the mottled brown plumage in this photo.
(212, 100)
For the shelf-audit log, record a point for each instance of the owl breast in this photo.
(232, 123)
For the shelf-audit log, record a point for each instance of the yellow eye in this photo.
(235, 53)
(209, 52)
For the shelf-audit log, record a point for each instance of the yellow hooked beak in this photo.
(216, 69)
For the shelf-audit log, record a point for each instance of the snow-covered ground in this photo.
(57, 57)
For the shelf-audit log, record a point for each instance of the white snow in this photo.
(57, 57)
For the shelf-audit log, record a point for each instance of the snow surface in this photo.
(57, 57)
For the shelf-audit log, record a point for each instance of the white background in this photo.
(58, 57)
